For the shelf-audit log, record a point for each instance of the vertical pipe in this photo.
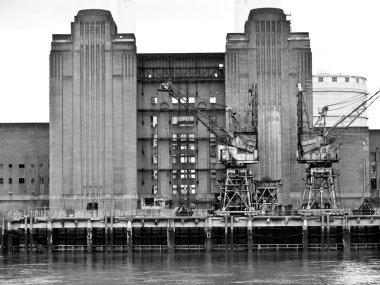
(249, 233)
(9, 238)
(26, 232)
(208, 240)
(129, 237)
(328, 231)
(89, 236)
(170, 236)
(305, 236)
(49, 236)
(322, 231)
(105, 231)
(232, 233)
(346, 236)
(111, 228)
(226, 232)
(3, 236)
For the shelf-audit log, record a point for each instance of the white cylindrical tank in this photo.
(342, 93)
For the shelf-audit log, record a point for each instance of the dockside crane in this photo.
(236, 150)
(316, 149)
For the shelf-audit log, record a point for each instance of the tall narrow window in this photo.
(154, 120)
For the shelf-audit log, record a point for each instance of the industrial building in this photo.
(114, 142)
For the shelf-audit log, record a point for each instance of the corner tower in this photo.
(269, 55)
(93, 115)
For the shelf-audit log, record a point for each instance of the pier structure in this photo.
(164, 232)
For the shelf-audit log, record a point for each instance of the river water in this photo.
(192, 268)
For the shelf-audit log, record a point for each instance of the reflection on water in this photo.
(192, 268)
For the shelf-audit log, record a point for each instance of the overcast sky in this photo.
(344, 39)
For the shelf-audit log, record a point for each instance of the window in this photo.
(10, 165)
(212, 159)
(155, 158)
(213, 173)
(192, 189)
(174, 137)
(10, 181)
(192, 146)
(213, 100)
(154, 174)
(174, 101)
(183, 121)
(174, 174)
(21, 180)
(346, 79)
(221, 65)
(33, 165)
(320, 79)
(183, 189)
(21, 166)
(183, 137)
(191, 137)
(153, 120)
(357, 80)
(41, 180)
(154, 140)
(175, 189)
(32, 180)
(187, 159)
(191, 100)
(174, 159)
(1, 180)
(154, 100)
(212, 137)
(154, 189)
(188, 173)
(334, 79)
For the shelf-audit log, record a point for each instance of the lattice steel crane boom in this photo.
(237, 146)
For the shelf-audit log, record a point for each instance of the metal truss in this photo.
(238, 190)
(320, 192)
(266, 194)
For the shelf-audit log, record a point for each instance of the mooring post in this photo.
(323, 231)
(208, 231)
(226, 232)
(249, 233)
(89, 236)
(170, 236)
(328, 231)
(129, 236)
(346, 235)
(305, 235)
(9, 238)
(49, 236)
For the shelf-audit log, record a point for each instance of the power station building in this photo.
(113, 141)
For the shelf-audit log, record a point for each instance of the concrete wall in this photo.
(93, 115)
(275, 59)
(353, 166)
(24, 166)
